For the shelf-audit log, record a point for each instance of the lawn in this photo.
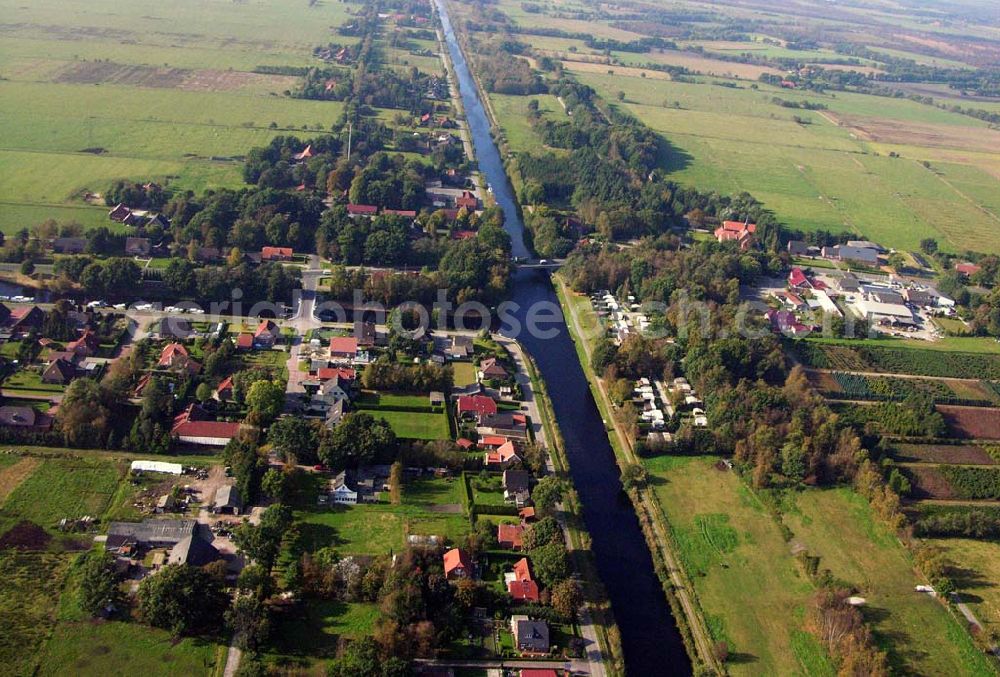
(465, 373)
(920, 634)
(747, 581)
(376, 529)
(433, 491)
(29, 380)
(61, 488)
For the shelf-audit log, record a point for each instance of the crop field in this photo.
(699, 64)
(165, 102)
(928, 482)
(921, 635)
(850, 386)
(972, 422)
(60, 488)
(747, 580)
(904, 358)
(944, 453)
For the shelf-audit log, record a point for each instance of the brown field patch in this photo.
(93, 72)
(603, 69)
(709, 66)
(973, 390)
(824, 382)
(907, 133)
(943, 453)
(927, 482)
(25, 535)
(972, 423)
(12, 476)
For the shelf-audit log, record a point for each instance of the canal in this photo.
(650, 639)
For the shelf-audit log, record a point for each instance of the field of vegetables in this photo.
(972, 423)
(967, 454)
(916, 361)
(885, 388)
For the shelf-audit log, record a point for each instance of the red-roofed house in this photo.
(467, 201)
(304, 155)
(244, 341)
(509, 536)
(967, 269)
(276, 254)
(527, 515)
(457, 564)
(192, 427)
(735, 231)
(798, 279)
(343, 373)
(463, 235)
(362, 210)
(85, 346)
(172, 356)
(492, 441)
(343, 348)
(464, 444)
(521, 584)
(475, 406)
(225, 390)
(22, 320)
(502, 457)
(408, 213)
(266, 335)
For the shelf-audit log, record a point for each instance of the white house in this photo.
(341, 492)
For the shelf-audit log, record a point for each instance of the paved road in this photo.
(576, 667)
(302, 320)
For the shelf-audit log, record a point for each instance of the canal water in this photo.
(651, 641)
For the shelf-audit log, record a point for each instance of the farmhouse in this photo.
(736, 231)
(195, 550)
(276, 254)
(152, 533)
(863, 255)
(193, 426)
(531, 637)
(69, 245)
(341, 491)
(967, 269)
(120, 213)
(457, 564)
(227, 500)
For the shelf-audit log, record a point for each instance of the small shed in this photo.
(227, 500)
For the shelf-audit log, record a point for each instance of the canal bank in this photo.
(651, 641)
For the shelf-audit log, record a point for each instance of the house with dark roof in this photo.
(86, 345)
(863, 255)
(530, 637)
(24, 418)
(490, 368)
(60, 372)
(158, 221)
(173, 328)
(120, 213)
(69, 245)
(151, 533)
(193, 550)
(797, 248)
(517, 487)
(22, 320)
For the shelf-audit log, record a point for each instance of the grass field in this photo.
(316, 632)
(978, 578)
(87, 648)
(465, 373)
(61, 488)
(512, 111)
(29, 595)
(748, 583)
(414, 426)
(919, 633)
